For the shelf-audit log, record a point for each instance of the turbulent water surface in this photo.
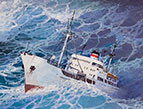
(40, 25)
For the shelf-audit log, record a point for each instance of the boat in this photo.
(40, 72)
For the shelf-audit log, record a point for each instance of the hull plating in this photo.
(39, 74)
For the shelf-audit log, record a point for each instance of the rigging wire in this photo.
(74, 39)
(76, 56)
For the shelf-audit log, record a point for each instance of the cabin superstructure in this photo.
(91, 68)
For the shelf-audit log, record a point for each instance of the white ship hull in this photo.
(39, 74)
(43, 75)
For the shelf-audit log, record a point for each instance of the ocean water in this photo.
(40, 26)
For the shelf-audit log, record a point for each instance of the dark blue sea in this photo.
(39, 26)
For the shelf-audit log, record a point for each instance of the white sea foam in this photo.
(70, 92)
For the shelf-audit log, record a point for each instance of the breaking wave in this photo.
(39, 25)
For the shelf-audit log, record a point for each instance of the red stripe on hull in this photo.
(30, 87)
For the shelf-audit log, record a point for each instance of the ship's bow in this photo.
(39, 73)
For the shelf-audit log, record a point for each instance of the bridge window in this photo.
(109, 82)
(93, 82)
(100, 66)
(110, 78)
(89, 81)
(74, 58)
(93, 63)
(92, 70)
(100, 79)
(86, 68)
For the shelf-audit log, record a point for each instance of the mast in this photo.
(65, 43)
(83, 49)
(67, 37)
(111, 57)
